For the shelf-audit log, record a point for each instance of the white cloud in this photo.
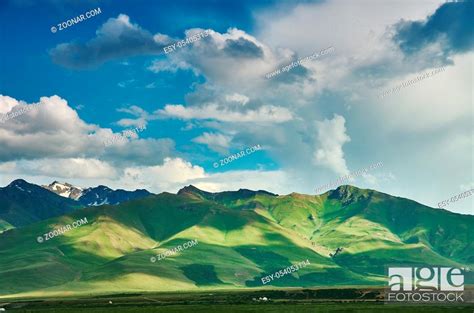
(234, 59)
(176, 173)
(141, 115)
(332, 136)
(266, 113)
(53, 130)
(60, 168)
(352, 23)
(216, 142)
(422, 107)
(7, 104)
(166, 66)
(173, 175)
(272, 181)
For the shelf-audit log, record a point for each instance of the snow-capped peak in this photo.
(65, 190)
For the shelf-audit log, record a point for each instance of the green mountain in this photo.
(347, 235)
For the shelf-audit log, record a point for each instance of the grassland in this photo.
(322, 300)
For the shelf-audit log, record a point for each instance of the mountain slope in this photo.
(242, 236)
(22, 203)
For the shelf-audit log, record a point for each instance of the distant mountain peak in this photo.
(347, 189)
(190, 188)
(248, 192)
(22, 185)
(65, 190)
(102, 187)
(347, 194)
(194, 191)
(19, 182)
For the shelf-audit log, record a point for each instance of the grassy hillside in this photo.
(242, 236)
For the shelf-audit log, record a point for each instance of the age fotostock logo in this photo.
(425, 284)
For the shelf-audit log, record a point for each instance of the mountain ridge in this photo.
(93, 196)
(254, 233)
(23, 203)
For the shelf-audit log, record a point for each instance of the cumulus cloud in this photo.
(355, 26)
(173, 174)
(236, 91)
(116, 38)
(55, 130)
(233, 58)
(331, 135)
(7, 104)
(354, 66)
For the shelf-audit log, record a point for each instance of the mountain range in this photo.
(22, 203)
(348, 236)
(95, 196)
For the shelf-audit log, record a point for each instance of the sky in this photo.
(75, 87)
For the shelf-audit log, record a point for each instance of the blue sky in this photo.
(203, 102)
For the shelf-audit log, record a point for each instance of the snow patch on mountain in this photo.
(65, 190)
(95, 196)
